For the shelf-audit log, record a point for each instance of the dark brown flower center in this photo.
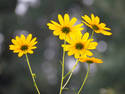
(24, 47)
(79, 46)
(66, 30)
(89, 61)
(95, 27)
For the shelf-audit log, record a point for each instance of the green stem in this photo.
(62, 70)
(92, 34)
(32, 74)
(70, 74)
(67, 74)
(84, 80)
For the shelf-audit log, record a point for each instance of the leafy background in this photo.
(31, 16)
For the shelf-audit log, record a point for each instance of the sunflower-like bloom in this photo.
(94, 23)
(90, 60)
(80, 45)
(65, 28)
(23, 45)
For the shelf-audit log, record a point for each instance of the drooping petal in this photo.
(12, 47)
(77, 55)
(30, 51)
(20, 54)
(89, 53)
(106, 28)
(106, 33)
(56, 32)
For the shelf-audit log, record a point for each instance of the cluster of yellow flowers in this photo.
(78, 44)
(75, 42)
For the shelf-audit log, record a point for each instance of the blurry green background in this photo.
(31, 16)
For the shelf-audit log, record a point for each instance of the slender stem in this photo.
(84, 80)
(70, 74)
(62, 69)
(67, 74)
(32, 74)
(92, 34)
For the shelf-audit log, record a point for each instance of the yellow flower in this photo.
(94, 23)
(90, 60)
(23, 45)
(80, 45)
(65, 28)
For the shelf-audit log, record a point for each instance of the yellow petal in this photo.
(22, 37)
(85, 36)
(70, 53)
(12, 47)
(14, 41)
(106, 33)
(62, 36)
(60, 18)
(15, 51)
(92, 17)
(92, 45)
(106, 28)
(77, 55)
(78, 26)
(55, 23)
(73, 21)
(87, 19)
(18, 39)
(20, 54)
(66, 19)
(66, 47)
(56, 33)
(96, 20)
(76, 36)
(52, 26)
(29, 37)
(34, 47)
(33, 41)
(102, 25)
(88, 53)
(31, 52)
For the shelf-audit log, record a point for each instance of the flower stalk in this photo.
(70, 74)
(62, 79)
(32, 74)
(84, 80)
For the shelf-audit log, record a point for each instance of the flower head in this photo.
(90, 60)
(23, 45)
(79, 45)
(65, 28)
(94, 23)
